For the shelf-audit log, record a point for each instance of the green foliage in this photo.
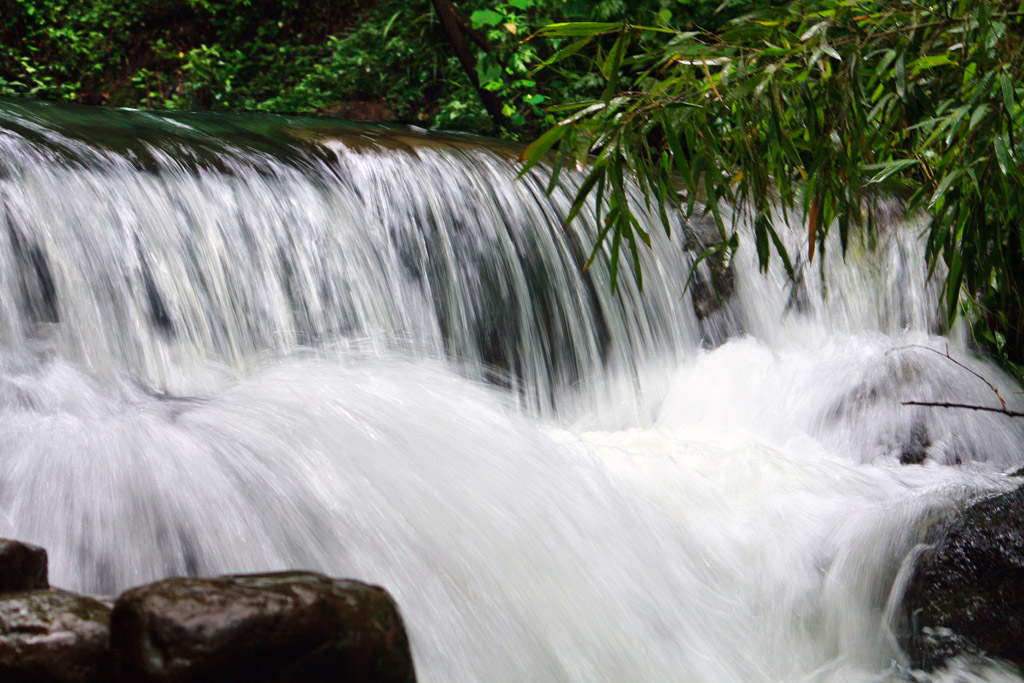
(389, 54)
(820, 107)
(150, 53)
(505, 68)
(388, 59)
(312, 56)
(529, 66)
(43, 55)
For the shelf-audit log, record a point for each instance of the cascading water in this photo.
(237, 343)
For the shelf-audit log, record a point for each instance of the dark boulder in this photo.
(294, 626)
(966, 595)
(914, 450)
(53, 636)
(22, 566)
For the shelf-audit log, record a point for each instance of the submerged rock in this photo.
(53, 636)
(914, 450)
(712, 284)
(22, 566)
(966, 595)
(294, 626)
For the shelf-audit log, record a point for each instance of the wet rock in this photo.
(53, 636)
(932, 647)
(712, 284)
(966, 595)
(22, 566)
(915, 449)
(39, 295)
(295, 626)
(712, 288)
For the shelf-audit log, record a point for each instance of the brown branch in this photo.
(448, 15)
(1003, 410)
(467, 27)
(954, 360)
(966, 406)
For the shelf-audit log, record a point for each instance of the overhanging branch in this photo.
(1002, 410)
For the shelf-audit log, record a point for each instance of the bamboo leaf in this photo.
(716, 213)
(929, 62)
(639, 229)
(1002, 156)
(595, 174)
(637, 270)
(539, 147)
(564, 53)
(1007, 88)
(613, 267)
(612, 64)
(948, 180)
(577, 28)
(564, 150)
(901, 77)
(602, 235)
(703, 256)
(888, 169)
(977, 116)
(783, 253)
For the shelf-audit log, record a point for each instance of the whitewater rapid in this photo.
(379, 360)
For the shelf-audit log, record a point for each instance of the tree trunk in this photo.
(449, 17)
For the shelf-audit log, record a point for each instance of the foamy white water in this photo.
(375, 356)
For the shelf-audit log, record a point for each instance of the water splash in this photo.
(254, 343)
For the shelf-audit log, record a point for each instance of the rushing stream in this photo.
(238, 343)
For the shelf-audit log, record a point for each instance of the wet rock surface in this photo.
(914, 449)
(54, 636)
(966, 595)
(294, 626)
(22, 566)
(712, 285)
(274, 627)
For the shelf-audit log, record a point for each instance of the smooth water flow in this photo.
(240, 343)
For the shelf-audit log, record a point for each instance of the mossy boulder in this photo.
(53, 636)
(294, 626)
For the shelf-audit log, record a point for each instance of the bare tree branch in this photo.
(966, 406)
(1003, 410)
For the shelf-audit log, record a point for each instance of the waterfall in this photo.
(246, 343)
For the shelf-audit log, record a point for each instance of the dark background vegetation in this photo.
(387, 60)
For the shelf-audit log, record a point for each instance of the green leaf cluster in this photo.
(820, 108)
(197, 54)
(387, 59)
(509, 62)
